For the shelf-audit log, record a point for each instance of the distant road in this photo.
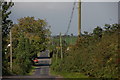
(43, 65)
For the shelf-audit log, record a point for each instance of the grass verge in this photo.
(32, 70)
(68, 75)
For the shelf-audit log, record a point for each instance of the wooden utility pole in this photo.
(79, 17)
(61, 46)
(11, 49)
(0, 44)
(57, 55)
(119, 23)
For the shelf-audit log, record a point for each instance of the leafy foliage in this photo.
(30, 36)
(93, 55)
(22, 56)
(4, 14)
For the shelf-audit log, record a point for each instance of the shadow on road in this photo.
(43, 57)
(42, 65)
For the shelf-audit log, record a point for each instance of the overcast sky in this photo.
(57, 14)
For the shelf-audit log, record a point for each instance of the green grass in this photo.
(38, 54)
(32, 70)
(68, 75)
(69, 40)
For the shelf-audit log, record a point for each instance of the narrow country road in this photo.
(41, 71)
(43, 65)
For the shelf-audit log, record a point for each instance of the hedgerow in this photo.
(95, 55)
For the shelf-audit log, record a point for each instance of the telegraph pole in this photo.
(11, 49)
(119, 19)
(61, 46)
(79, 17)
(0, 43)
(57, 55)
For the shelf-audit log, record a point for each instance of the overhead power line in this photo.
(70, 18)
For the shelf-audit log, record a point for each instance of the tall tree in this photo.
(35, 30)
(30, 36)
(4, 11)
(5, 17)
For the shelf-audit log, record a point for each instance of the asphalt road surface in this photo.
(41, 71)
(43, 65)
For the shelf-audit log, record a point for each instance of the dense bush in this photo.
(22, 63)
(95, 55)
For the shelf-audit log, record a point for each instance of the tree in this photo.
(4, 11)
(6, 23)
(107, 27)
(86, 33)
(30, 36)
(35, 30)
(114, 27)
(5, 15)
(98, 32)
